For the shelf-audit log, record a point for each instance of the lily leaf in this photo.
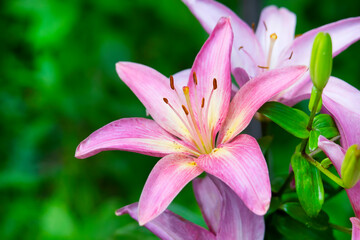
(295, 230)
(325, 126)
(313, 140)
(309, 186)
(292, 120)
(294, 210)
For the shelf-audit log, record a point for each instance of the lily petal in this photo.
(151, 88)
(253, 95)
(139, 135)
(169, 226)
(343, 33)
(213, 61)
(346, 110)
(210, 202)
(355, 228)
(278, 21)
(181, 79)
(241, 165)
(165, 181)
(334, 151)
(336, 154)
(237, 221)
(208, 12)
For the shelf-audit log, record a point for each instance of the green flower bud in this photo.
(350, 169)
(321, 60)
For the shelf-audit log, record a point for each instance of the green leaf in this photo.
(294, 210)
(309, 186)
(292, 120)
(313, 140)
(265, 143)
(295, 230)
(325, 125)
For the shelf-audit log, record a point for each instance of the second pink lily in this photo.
(196, 127)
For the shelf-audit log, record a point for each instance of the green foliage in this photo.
(294, 210)
(325, 126)
(59, 84)
(309, 186)
(292, 120)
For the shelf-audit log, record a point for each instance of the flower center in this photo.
(195, 116)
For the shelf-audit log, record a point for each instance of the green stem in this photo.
(341, 228)
(333, 177)
(313, 110)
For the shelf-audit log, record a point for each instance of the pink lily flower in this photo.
(345, 108)
(225, 215)
(273, 44)
(195, 128)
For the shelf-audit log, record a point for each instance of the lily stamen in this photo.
(273, 38)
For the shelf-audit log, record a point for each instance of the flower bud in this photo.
(350, 169)
(321, 60)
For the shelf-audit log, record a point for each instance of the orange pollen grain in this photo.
(172, 82)
(195, 78)
(166, 100)
(202, 102)
(291, 55)
(273, 36)
(214, 84)
(263, 67)
(185, 110)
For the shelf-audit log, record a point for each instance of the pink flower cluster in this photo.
(197, 126)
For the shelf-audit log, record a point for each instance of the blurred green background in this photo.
(59, 84)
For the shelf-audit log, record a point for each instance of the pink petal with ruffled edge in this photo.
(139, 135)
(280, 21)
(210, 202)
(213, 61)
(208, 12)
(336, 154)
(342, 101)
(253, 95)
(151, 88)
(343, 33)
(169, 226)
(165, 181)
(241, 165)
(355, 228)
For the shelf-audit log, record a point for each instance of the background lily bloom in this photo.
(346, 111)
(225, 215)
(195, 128)
(273, 44)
